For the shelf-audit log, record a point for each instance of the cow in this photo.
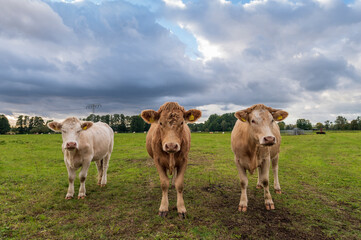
(84, 142)
(255, 141)
(168, 143)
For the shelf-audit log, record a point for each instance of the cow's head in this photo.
(70, 130)
(170, 119)
(262, 123)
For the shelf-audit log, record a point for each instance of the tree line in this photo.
(124, 124)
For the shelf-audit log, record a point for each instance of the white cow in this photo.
(84, 142)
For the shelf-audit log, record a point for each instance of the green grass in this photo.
(320, 177)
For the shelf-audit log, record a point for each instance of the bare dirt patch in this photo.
(276, 224)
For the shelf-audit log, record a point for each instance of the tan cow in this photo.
(255, 142)
(84, 142)
(168, 142)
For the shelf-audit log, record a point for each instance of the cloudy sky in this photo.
(219, 56)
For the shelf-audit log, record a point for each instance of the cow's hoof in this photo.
(279, 191)
(68, 197)
(242, 208)
(163, 214)
(182, 215)
(259, 186)
(98, 184)
(270, 206)
(102, 185)
(81, 197)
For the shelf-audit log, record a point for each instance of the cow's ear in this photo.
(150, 116)
(192, 115)
(55, 126)
(86, 125)
(280, 115)
(242, 115)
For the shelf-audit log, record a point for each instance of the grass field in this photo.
(320, 177)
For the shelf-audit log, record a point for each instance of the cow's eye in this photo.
(272, 121)
(160, 123)
(253, 121)
(181, 123)
(63, 131)
(78, 131)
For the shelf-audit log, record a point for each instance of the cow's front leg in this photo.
(164, 183)
(264, 179)
(277, 186)
(179, 185)
(82, 177)
(244, 183)
(259, 184)
(71, 178)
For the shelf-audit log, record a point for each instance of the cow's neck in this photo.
(70, 156)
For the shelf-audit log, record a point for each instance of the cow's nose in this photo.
(71, 145)
(171, 147)
(269, 140)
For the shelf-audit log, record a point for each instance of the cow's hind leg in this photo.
(100, 170)
(179, 185)
(82, 177)
(277, 186)
(164, 183)
(105, 169)
(264, 178)
(244, 183)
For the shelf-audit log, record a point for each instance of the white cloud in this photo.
(175, 3)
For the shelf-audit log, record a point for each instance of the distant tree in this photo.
(304, 124)
(282, 125)
(290, 126)
(354, 125)
(341, 123)
(319, 125)
(4, 124)
(105, 119)
(20, 124)
(136, 124)
(327, 125)
(358, 119)
(196, 127)
(37, 125)
(122, 127)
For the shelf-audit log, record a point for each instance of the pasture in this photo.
(320, 177)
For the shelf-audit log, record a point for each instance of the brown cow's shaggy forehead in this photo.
(170, 106)
(172, 116)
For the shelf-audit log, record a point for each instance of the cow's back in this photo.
(99, 138)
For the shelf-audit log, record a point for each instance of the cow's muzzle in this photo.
(71, 145)
(171, 147)
(268, 141)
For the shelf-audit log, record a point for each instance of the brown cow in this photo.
(256, 141)
(168, 142)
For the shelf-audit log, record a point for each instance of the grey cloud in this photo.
(115, 54)
(319, 73)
